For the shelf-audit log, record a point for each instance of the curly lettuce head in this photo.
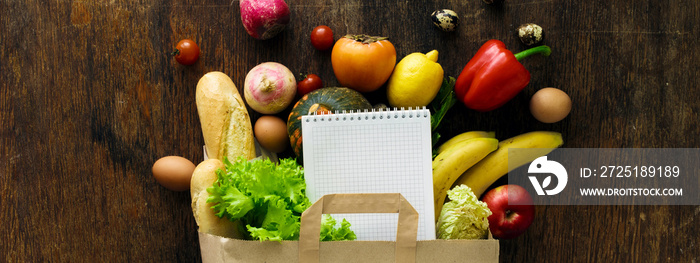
(268, 199)
(464, 216)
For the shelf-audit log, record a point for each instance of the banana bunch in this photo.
(477, 160)
(454, 158)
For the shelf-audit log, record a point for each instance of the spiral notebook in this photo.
(372, 152)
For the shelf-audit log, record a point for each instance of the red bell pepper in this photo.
(494, 76)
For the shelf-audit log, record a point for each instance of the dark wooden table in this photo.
(90, 98)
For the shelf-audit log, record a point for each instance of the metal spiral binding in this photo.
(367, 114)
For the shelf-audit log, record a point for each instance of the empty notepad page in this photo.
(372, 152)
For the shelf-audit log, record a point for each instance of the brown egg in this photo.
(271, 133)
(550, 105)
(173, 172)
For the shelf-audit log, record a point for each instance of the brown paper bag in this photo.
(310, 249)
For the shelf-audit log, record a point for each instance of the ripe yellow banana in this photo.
(480, 176)
(451, 163)
(464, 136)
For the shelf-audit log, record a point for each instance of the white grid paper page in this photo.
(372, 152)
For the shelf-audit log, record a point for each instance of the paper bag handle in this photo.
(406, 232)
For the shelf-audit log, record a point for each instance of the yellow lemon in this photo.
(415, 81)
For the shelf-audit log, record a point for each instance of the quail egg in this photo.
(530, 34)
(445, 19)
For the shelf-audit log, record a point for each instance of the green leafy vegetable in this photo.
(464, 216)
(444, 100)
(330, 233)
(268, 199)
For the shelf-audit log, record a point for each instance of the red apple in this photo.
(509, 219)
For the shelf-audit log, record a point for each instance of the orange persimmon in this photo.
(363, 63)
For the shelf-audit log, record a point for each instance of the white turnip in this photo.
(263, 19)
(269, 88)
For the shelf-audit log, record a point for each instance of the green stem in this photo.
(544, 50)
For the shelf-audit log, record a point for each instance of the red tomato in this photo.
(322, 37)
(186, 52)
(310, 83)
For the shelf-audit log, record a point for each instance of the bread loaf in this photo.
(226, 125)
(203, 177)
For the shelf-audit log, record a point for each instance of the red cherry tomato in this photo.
(186, 52)
(322, 37)
(310, 83)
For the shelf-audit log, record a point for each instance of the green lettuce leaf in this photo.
(330, 233)
(279, 223)
(230, 202)
(268, 199)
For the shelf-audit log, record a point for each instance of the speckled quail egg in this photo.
(445, 19)
(530, 34)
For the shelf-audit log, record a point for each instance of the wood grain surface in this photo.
(90, 98)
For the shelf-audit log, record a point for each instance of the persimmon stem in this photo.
(366, 39)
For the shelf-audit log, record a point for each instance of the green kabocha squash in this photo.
(321, 101)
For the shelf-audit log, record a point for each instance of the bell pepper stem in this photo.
(544, 50)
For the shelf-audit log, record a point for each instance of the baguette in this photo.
(226, 125)
(203, 177)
